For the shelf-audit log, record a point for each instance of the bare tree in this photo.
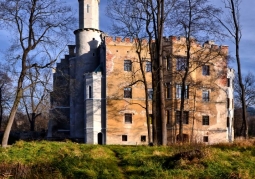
(36, 97)
(35, 26)
(5, 93)
(231, 22)
(249, 95)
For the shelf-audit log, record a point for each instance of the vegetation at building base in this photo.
(72, 160)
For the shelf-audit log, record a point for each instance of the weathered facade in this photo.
(99, 94)
(208, 101)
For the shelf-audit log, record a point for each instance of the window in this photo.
(148, 66)
(228, 82)
(205, 120)
(185, 117)
(181, 64)
(168, 63)
(143, 138)
(127, 65)
(227, 121)
(228, 103)
(205, 139)
(90, 92)
(205, 95)
(87, 8)
(124, 137)
(179, 90)
(128, 118)
(150, 93)
(168, 91)
(206, 70)
(127, 92)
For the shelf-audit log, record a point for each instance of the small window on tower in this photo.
(90, 92)
(87, 8)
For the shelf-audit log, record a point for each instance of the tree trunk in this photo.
(239, 71)
(15, 106)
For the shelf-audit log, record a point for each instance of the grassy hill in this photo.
(70, 160)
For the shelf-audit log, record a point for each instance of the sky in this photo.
(247, 48)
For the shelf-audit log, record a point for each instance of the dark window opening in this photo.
(228, 82)
(127, 92)
(205, 95)
(124, 138)
(127, 65)
(181, 64)
(228, 103)
(206, 70)
(185, 117)
(143, 138)
(88, 8)
(179, 91)
(148, 66)
(205, 120)
(90, 92)
(128, 118)
(205, 139)
(150, 93)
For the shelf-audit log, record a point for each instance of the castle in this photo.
(93, 101)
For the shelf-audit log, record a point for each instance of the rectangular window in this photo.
(143, 138)
(205, 139)
(205, 95)
(205, 120)
(124, 138)
(148, 66)
(179, 90)
(127, 65)
(181, 63)
(168, 91)
(150, 93)
(127, 92)
(228, 82)
(168, 63)
(90, 92)
(206, 70)
(228, 103)
(128, 118)
(185, 117)
(227, 121)
(87, 8)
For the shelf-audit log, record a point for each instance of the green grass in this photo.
(67, 160)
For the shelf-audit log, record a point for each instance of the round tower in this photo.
(88, 34)
(87, 60)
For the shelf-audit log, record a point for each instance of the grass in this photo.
(67, 160)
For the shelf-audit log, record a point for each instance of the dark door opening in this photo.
(100, 138)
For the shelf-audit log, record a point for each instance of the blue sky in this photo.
(247, 48)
